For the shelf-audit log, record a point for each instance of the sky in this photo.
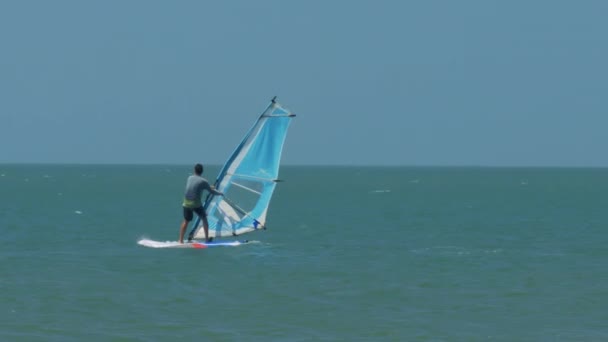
(415, 83)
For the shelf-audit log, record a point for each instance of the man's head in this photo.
(198, 169)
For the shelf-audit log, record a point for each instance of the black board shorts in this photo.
(200, 211)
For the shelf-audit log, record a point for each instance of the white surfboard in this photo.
(193, 244)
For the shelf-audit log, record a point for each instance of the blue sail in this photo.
(248, 178)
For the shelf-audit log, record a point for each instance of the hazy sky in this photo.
(521, 83)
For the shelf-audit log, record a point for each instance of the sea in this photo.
(351, 253)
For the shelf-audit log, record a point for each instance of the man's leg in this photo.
(182, 230)
(203, 216)
(206, 228)
(187, 219)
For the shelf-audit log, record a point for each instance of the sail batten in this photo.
(248, 178)
(252, 177)
(279, 116)
(246, 188)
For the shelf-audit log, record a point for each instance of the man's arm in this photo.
(212, 190)
(215, 192)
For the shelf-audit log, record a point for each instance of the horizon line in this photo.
(315, 165)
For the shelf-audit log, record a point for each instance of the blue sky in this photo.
(494, 83)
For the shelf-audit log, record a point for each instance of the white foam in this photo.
(78, 212)
(160, 244)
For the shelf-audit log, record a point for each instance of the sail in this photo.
(248, 178)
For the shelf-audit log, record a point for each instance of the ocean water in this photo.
(351, 253)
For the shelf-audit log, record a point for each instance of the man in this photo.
(192, 201)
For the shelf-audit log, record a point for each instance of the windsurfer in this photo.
(192, 202)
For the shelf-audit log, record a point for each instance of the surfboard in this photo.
(193, 244)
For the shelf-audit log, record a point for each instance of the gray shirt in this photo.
(194, 190)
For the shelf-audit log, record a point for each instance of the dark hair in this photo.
(198, 169)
